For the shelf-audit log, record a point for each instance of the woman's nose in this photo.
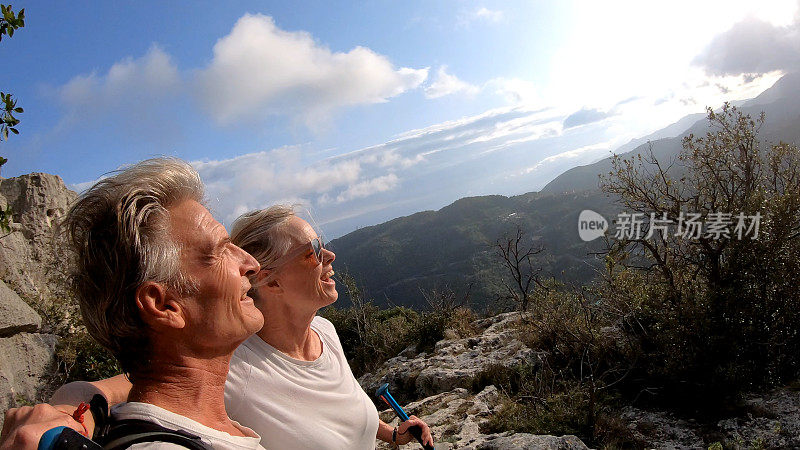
(328, 255)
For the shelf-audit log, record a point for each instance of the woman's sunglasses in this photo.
(316, 245)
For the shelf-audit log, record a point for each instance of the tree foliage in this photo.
(9, 22)
(726, 316)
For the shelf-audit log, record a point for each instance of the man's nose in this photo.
(250, 265)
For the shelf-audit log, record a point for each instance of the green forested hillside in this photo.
(396, 261)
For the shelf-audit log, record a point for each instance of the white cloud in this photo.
(151, 75)
(515, 90)
(134, 94)
(482, 14)
(369, 187)
(752, 46)
(259, 69)
(447, 84)
(260, 179)
(572, 158)
(415, 162)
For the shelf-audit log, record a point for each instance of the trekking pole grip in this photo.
(416, 430)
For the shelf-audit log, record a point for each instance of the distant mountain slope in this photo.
(779, 103)
(395, 260)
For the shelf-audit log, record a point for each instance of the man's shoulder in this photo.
(173, 421)
(156, 446)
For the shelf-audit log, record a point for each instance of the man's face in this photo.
(219, 312)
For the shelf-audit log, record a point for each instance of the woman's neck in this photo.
(290, 333)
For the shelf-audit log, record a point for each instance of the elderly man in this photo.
(163, 288)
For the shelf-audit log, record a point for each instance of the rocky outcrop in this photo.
(15, 315)
(32, 265)
(446, 379)
(773, 421)
(26, 355)
(768, 421)
(32, 259)
(26, 361)
(455, 363)
(456, 419)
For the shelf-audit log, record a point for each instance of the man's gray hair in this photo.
(261, 233)
(119, 230)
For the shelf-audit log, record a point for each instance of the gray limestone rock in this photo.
(456, 418)
(26, 360)
(32, 256)
(774, 422)
(525, 441)
(15, 315)
(455, 363)
(33, 265)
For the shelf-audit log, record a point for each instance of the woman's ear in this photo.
(157, 307)
(263, 282)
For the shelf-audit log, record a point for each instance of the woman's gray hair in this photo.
(119, 230)
(261, 233)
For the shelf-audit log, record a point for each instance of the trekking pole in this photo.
(416, 431)
(65, 438)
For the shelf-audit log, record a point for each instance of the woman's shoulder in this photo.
(322, 324)
(326, 331)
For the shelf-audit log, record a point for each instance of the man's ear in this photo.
(158, 307)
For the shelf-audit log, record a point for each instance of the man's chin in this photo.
(254, 320)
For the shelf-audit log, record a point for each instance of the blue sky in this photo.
(365, 111)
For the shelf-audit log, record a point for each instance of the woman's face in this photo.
(306, 282)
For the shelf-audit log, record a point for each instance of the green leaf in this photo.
(14, 130)
(18, 110)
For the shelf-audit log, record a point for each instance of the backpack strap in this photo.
(121, 434)
(124, 433)
(98, 406)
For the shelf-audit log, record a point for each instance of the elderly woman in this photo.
(307, 395)
(290, 382)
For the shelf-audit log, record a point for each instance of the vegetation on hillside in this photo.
(674, 321)
(370, 335)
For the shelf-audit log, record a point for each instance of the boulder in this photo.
(33, 260)
(662, 429)
(773, 421)
(15, 315)
(26, 362)
(525, 441)
(455, 363)
(456, 419)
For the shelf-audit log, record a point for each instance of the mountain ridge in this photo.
(778, 103)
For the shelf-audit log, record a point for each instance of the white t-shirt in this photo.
(296, 404)
(220, 440)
